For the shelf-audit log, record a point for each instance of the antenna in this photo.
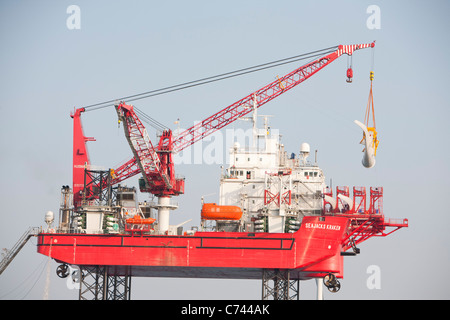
(304, 152)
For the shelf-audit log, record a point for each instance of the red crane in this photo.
(316, 250)
(156, 164)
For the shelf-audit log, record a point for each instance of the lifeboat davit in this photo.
(212, 211)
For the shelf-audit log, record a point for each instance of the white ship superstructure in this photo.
(274, 190)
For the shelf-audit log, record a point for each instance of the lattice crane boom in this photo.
(156, 163)
(244, 106)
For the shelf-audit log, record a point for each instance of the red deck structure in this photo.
(316, 249)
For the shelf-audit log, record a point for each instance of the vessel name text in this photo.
(322, 226)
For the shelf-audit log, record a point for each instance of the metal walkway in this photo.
(11, 254)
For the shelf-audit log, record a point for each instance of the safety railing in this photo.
(11, 254)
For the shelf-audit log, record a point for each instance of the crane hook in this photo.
(349, 69)
(349, 75)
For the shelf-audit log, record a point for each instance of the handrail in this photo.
(395, 222)
(11, 254)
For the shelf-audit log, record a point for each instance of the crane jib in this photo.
(155, 163)
(242, 107)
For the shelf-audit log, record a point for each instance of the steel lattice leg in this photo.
(96, 284)
(277, 285)
(119, 287)
(91, 283)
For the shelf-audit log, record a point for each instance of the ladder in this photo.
(11, 254)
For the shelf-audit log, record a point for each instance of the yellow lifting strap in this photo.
(370, 110)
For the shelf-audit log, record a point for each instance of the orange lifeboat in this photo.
(138, 220)
(212, 211)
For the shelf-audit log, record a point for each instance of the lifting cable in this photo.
(159, 126)
(149, 120)
(370, 105)
(210, 79)
(370, 110)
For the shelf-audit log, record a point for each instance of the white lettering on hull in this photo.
(323, 226)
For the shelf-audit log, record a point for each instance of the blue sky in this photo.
(128, 47)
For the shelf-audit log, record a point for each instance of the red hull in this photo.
(314, 250)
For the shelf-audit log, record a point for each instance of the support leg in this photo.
(97, 284)
(277, 285)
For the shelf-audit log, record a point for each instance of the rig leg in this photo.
(97, 284)
(277, 285)
(119, 288)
